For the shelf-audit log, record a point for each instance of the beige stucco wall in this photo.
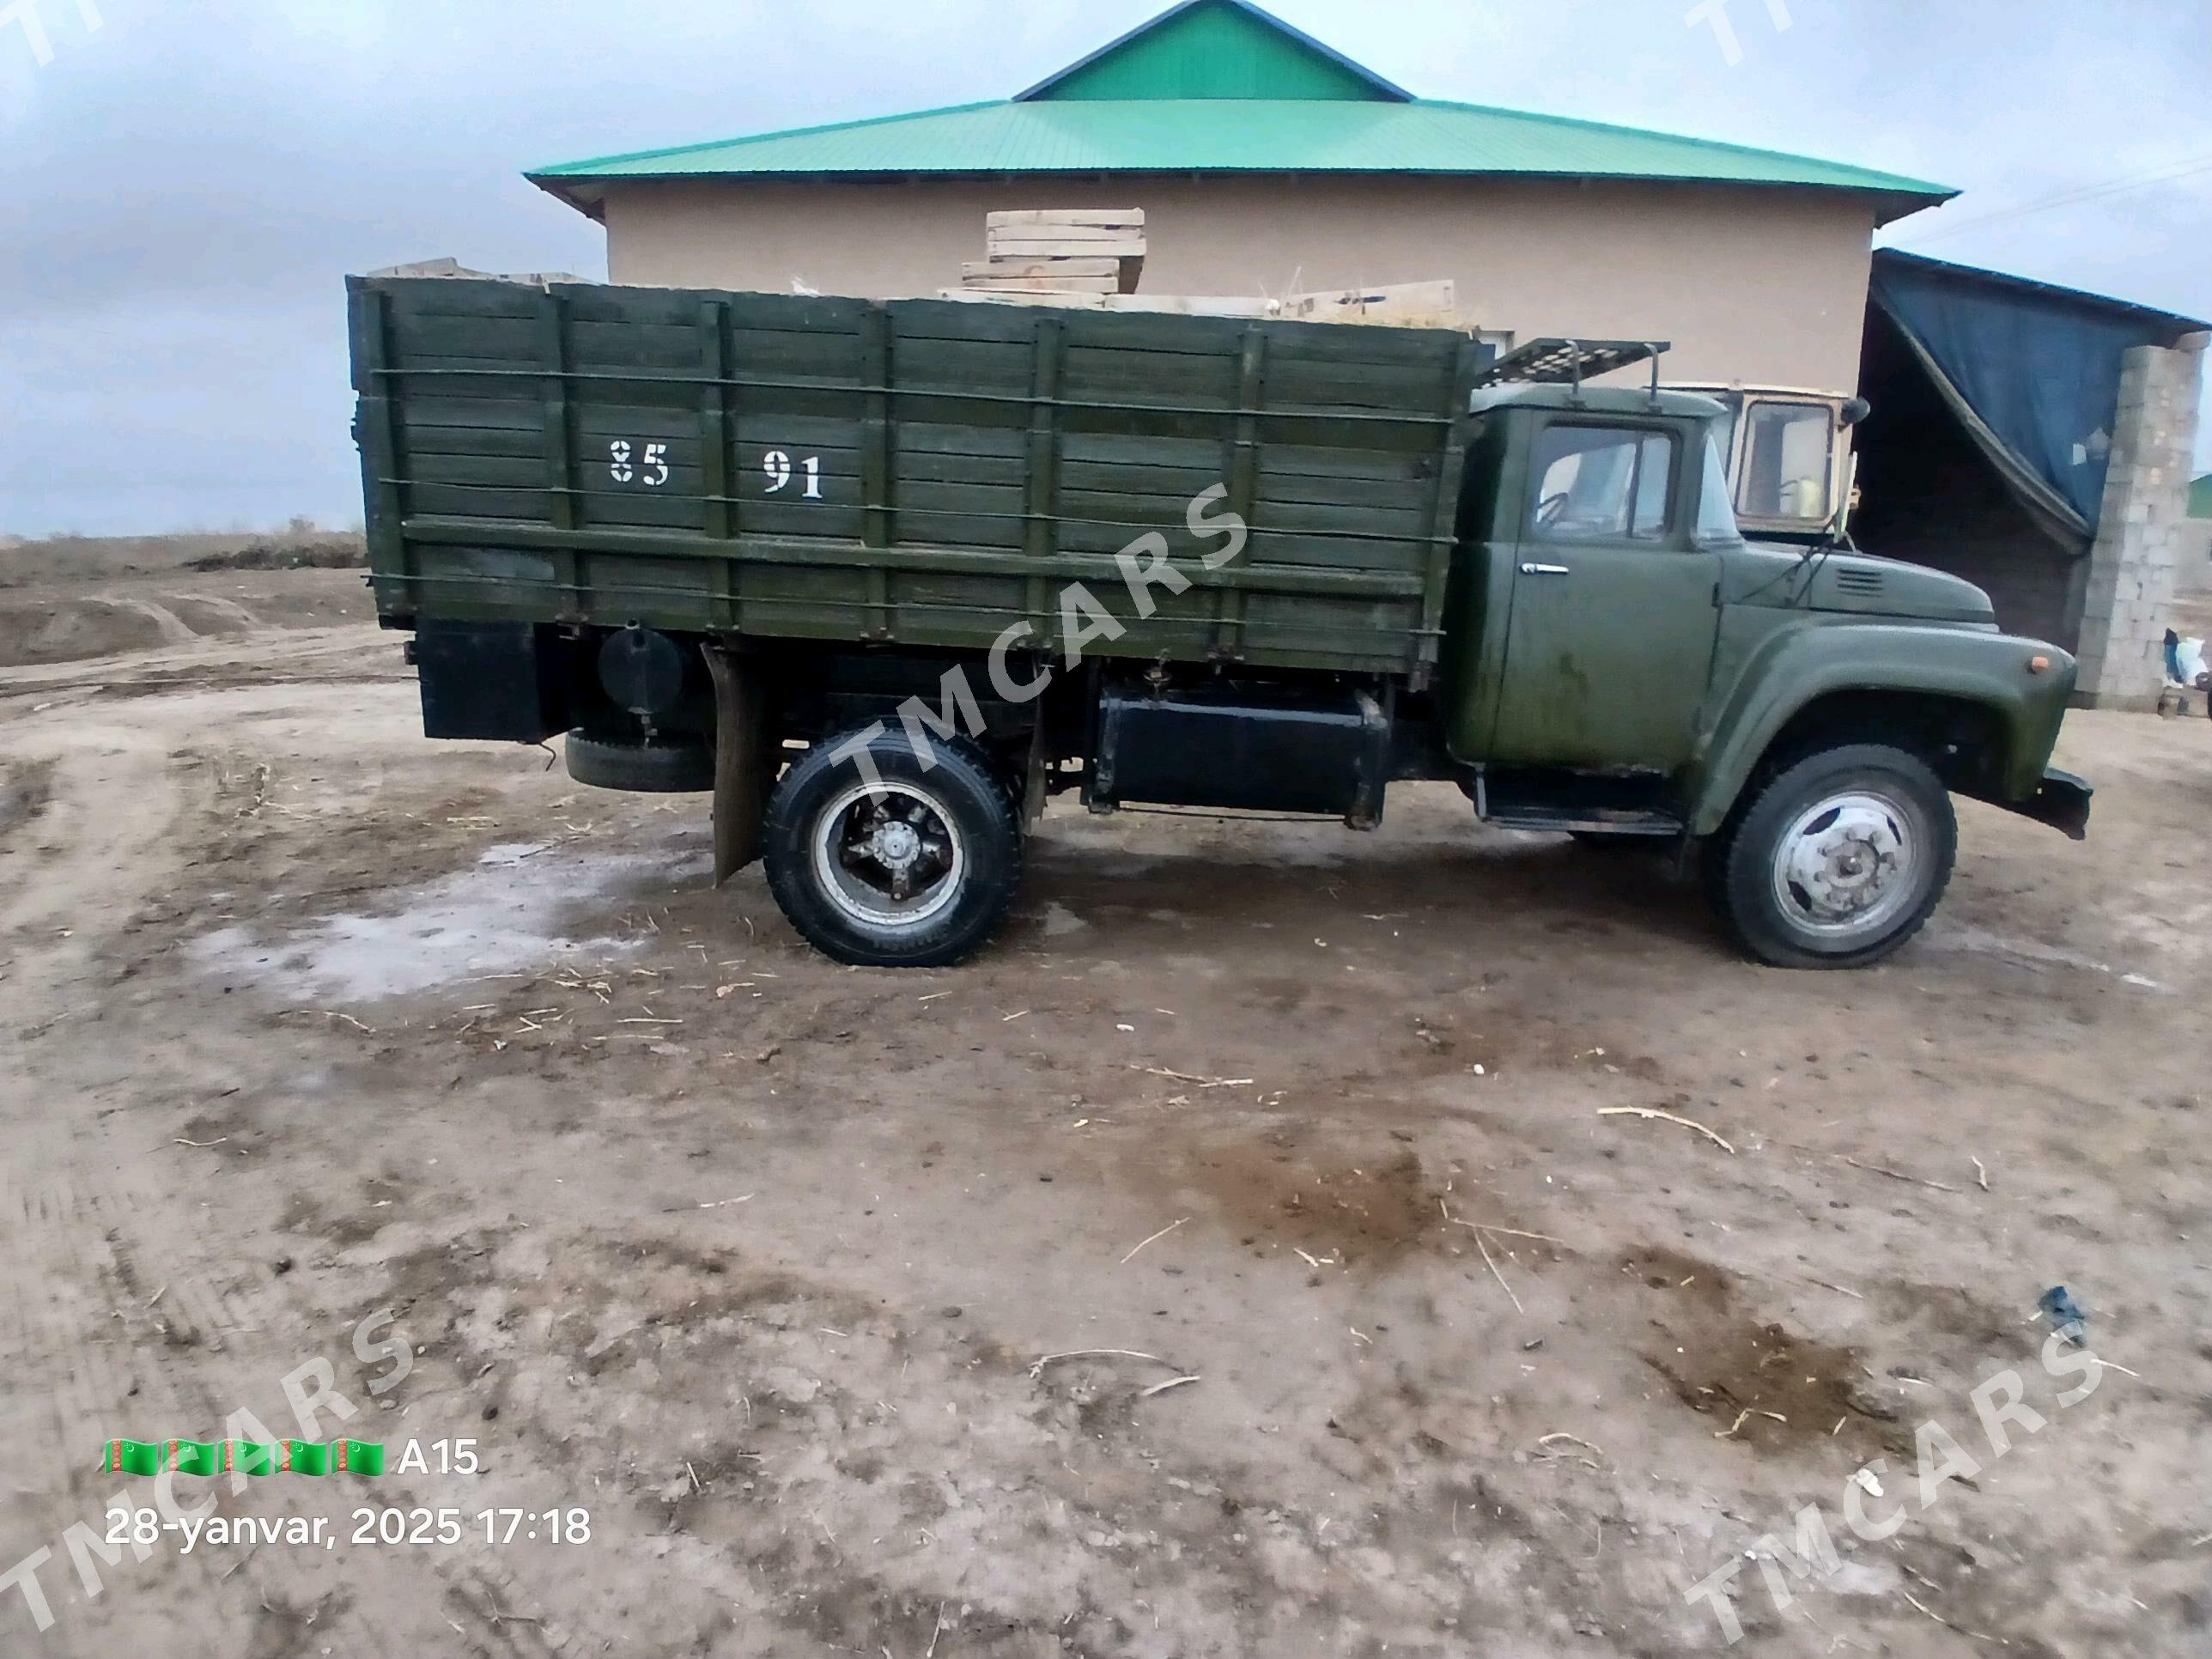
(1750, 284)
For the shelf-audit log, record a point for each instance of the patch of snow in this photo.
(515, 909)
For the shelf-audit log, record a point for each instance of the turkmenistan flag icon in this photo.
(249, 1457)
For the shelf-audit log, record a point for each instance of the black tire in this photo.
(966, 851)
(686, 769)
(1788, 898)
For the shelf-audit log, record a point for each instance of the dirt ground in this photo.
(768, 1266)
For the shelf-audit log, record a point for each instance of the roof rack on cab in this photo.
(1570, 362)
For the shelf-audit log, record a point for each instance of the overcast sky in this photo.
(183, 186)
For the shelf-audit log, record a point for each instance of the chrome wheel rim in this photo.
(1848, 867)
(888, 856)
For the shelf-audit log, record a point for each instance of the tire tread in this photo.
(999, 863)
(1724, 879)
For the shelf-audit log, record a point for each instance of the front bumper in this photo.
(2063, 802)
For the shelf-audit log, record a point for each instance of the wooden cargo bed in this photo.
(920, 472)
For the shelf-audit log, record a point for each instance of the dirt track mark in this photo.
(112, 800)
(24, 791)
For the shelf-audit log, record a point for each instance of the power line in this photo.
(2165, 172)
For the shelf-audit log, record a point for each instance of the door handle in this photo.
(1546, 570)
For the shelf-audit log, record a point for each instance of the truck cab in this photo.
(1622, 659)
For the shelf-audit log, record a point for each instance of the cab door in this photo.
(1610, 641)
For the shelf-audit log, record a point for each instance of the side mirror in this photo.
(1855, 410)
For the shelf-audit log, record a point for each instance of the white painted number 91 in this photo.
(777, 465)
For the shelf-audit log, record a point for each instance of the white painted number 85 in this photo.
(777, 465)
(653, 471)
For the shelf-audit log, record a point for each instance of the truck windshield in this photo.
(1785, 462)
(1716, 516)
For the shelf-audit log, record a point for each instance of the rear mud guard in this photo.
(744, 761)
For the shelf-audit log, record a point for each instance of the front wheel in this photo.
(894, 864)
(1837, 861)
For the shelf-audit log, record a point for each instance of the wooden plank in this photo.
(502, 471)
(1176, 484)
(717, 419)
(520, 413)
(1190, 336)
(1014, 269)
(501, 342)
(1291, 463)
(1240, 470)
(613, 505)
(1101, 285)
(965, 366)
(1430, 305)
(384, 510)
(1193, 305)
(1188, 380)
(1056, 298)
(412, 302)
(416, 440)
(560, 507)
(773, 547)
(475, 502)
(1062, 234)
(795, 314)
(1148, 448)
(1402, 519)
(876, 460)
(1041, 493)
(1118, 218)
(666, 348)
(826, 359)
(1444, 512)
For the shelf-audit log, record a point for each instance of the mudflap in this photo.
(2063, 802)
(744, 761)
(1034, 779)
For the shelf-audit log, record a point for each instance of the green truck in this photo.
(884, 578)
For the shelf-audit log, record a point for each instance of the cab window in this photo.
(1602, 483)
(1785, 463)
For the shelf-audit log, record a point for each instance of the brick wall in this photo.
(2196, 557)
(2144, 533)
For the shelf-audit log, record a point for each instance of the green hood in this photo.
(1785, 578)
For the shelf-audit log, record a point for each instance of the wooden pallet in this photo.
(1065, 250)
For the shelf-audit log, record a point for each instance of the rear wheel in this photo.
(1837, 860)
(913, 866)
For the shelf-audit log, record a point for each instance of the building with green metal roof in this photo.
(1267, 161)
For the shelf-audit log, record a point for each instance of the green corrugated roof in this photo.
(1067, 126)
(1252, 135)
(1217, 49)
(2200, 498)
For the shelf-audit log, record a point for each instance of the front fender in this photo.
(1798, 664)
